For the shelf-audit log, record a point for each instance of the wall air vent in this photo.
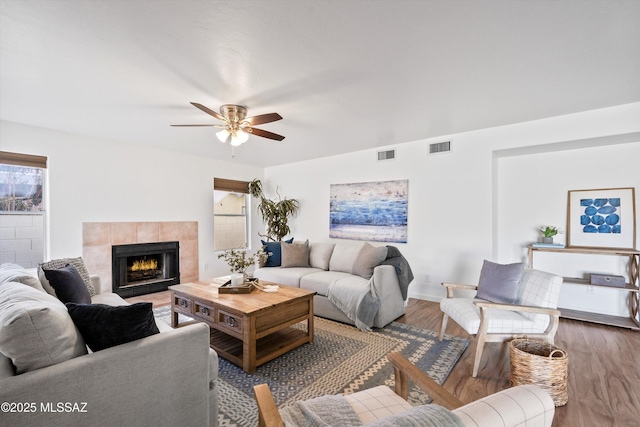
(440, 147)
(386, 155)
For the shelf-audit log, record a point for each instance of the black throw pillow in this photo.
(103, 326)
(68, 284)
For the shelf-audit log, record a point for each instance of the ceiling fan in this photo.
(238, 126)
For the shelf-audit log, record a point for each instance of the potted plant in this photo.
(548, 231)
(239, 261)
(275, 213)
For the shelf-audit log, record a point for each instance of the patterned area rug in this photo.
(341, 359)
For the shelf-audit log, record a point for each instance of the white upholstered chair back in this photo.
(539, 289)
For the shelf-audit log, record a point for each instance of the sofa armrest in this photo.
(385, 281)
(385, 285)
(517, 406)
(123, 384)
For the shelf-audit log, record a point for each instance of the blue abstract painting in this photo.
(373, 211)
(600, 215)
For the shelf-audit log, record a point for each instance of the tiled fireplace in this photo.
(99, 239)
(144, 268)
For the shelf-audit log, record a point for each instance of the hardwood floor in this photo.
(604, 367)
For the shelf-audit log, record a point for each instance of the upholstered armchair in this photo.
(527, 405)
(532, 314)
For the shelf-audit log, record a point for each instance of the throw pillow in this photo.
(103, 326)
(499, 283)
(343, 257)
(78, 263)
(274, 252)
(295, 254)
(35, 329)
(16, 273)
(368, 258)
(320, 255)
(68, 285)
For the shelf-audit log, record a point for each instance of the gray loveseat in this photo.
(335, 267)
(164, 379)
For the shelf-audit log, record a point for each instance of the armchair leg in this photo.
(480, 339)
(443, 326)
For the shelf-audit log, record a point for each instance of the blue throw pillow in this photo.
(499, 283)
(274, 249)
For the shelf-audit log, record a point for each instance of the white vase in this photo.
(237, 279)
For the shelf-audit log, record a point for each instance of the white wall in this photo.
(530, 184)
(458, 202)
(94, 180)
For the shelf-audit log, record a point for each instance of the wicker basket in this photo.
(540, 363)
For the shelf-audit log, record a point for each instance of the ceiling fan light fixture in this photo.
(223, 135)
(237, 126)
(239, 138)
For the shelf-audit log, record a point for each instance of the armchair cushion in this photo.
(376, 403)
(499, 282)
(540, 289)
(466, 314)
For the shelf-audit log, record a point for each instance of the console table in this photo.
(632, 287)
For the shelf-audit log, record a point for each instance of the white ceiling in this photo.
(345, 75)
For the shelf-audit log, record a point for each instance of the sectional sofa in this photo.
(48, 377)
(355, 283)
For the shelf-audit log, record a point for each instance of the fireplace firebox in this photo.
(144, 268)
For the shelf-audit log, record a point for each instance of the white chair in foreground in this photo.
(517, 406)
(532, 314)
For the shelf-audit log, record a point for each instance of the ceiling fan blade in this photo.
(190, 125)
(209, 111)
(266, 134)
(263, 118)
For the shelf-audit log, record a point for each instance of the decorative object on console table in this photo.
(607, 280)
(548, 245)
(602, 218)
(548, 231)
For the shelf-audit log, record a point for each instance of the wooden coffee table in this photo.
(247, 329)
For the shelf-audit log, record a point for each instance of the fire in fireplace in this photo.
(144, 268)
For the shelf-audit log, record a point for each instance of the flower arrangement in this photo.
(239, 260)
(550, 230)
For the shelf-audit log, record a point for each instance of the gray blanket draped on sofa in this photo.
(359, 302)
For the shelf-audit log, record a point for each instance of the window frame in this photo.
(233, 186)
(38, 162)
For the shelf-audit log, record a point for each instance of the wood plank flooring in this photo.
(604, 367)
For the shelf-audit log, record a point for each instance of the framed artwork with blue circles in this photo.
(602, 218)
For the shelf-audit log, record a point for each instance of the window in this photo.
(230, 214)
(22, 233)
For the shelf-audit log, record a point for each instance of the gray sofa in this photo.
(331, 266)
(164, 379)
